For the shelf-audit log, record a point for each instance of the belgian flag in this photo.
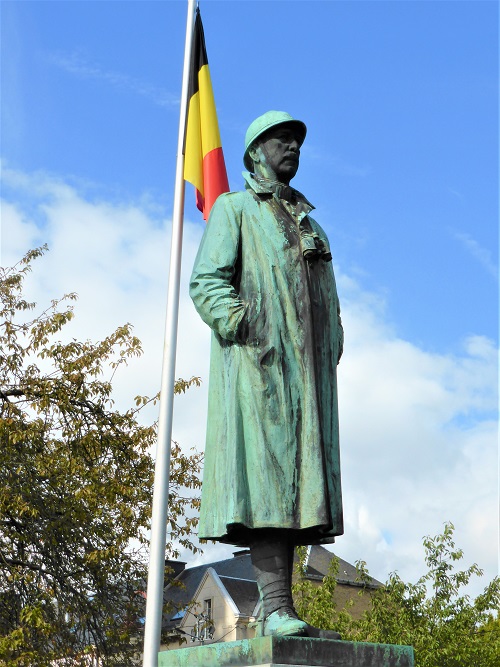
(204, 164)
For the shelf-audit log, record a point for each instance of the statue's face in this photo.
(277, 155)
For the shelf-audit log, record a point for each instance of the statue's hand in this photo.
(253, 326)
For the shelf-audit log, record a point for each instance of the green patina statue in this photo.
(263, 281)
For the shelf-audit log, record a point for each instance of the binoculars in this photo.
(313, 247)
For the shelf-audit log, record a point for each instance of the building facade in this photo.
(220, 601)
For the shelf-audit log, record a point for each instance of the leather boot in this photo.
(271, 562)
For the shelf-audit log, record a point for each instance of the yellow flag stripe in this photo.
(204, 165)
(209, 126)
(202, 132)
(193, 160)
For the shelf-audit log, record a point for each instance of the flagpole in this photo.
(154, 598)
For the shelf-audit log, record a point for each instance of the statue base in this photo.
(289, 652)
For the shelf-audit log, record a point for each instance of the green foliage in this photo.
(445, 627)
(317, 604)
(75, 488)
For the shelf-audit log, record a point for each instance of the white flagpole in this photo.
(154, 599)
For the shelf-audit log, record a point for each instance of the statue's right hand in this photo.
(252, 329)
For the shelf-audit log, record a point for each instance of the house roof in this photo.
(318, 564)
(238, 578)
(182, 590)
(244, 593)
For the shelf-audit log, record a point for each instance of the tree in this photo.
(75, 488)
(443, 624)
(445, 627)
(317, 604)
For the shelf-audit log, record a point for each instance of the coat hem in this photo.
(240, 535)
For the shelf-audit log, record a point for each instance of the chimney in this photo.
(243, 552)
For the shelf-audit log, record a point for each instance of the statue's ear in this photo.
(254, 153)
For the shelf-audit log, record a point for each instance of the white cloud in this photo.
(419, 444)
(478, 252)
(80, 66)
(18, 233)
(418, 430)
(115, 257)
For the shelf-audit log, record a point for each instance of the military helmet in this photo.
(266, 122)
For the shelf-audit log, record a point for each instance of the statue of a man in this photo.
(263, 281)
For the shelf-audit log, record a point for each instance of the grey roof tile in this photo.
(244, 593)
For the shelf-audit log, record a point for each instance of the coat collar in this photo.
(263, 189)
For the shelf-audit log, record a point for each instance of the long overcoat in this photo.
(272, 446)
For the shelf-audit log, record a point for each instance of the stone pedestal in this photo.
(289, 652)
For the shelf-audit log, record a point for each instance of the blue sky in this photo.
(401, 161)
(400, 99)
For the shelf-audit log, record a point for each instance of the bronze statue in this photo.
(263, 281)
